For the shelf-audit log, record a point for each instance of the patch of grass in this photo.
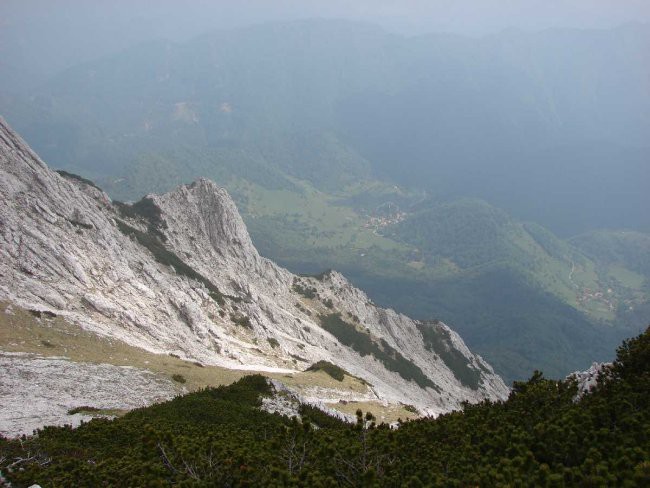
(626, 277)
(168, 258)
(84, 409)
(437, 339)
(384, 413)
(362, 343)
(333, 370)
(273, 342)
(20, 331)
(98, 412)
(72, 176)
(179, 378)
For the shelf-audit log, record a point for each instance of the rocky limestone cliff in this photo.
(178, 273)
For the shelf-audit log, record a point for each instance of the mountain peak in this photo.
(205, 211)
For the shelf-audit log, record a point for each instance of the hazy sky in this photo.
(40, 37)
(407, 16)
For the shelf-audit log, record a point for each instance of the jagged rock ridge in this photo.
(179, 273)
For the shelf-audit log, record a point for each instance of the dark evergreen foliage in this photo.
(165, 256)
(333, 370)
(542, 436)
(147, 210)
(305, 291)
(438, 340)
(72, 176)
(364, 344)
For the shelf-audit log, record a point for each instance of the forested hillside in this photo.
(543, 435)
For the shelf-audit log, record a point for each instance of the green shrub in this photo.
(241, 320)
(179, 378)
(333, 370)
(168, 258)
(540, 436)
(363, 343)
(307, 292)
(437, 339)
(410, 408)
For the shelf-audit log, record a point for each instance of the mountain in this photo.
(348, 147)
(177, 273)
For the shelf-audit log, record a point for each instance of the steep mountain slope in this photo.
(179, 273)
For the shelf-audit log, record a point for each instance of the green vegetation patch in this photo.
(273, 342)
(410, 408)
(437, 339)
(333, 370)
(168, 258)
(242, 320)
(96, 412)
(146, 210)
(72, 176)
(305, 291)
(392, 360)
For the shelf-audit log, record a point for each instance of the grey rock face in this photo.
(38, 391)
(179, 273)
(588, 379)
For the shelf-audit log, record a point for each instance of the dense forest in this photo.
(544, 434)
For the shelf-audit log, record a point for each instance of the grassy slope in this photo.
(21, 331)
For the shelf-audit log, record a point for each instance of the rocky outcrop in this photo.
(588, 379)
(178, 273)
(54, 387)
